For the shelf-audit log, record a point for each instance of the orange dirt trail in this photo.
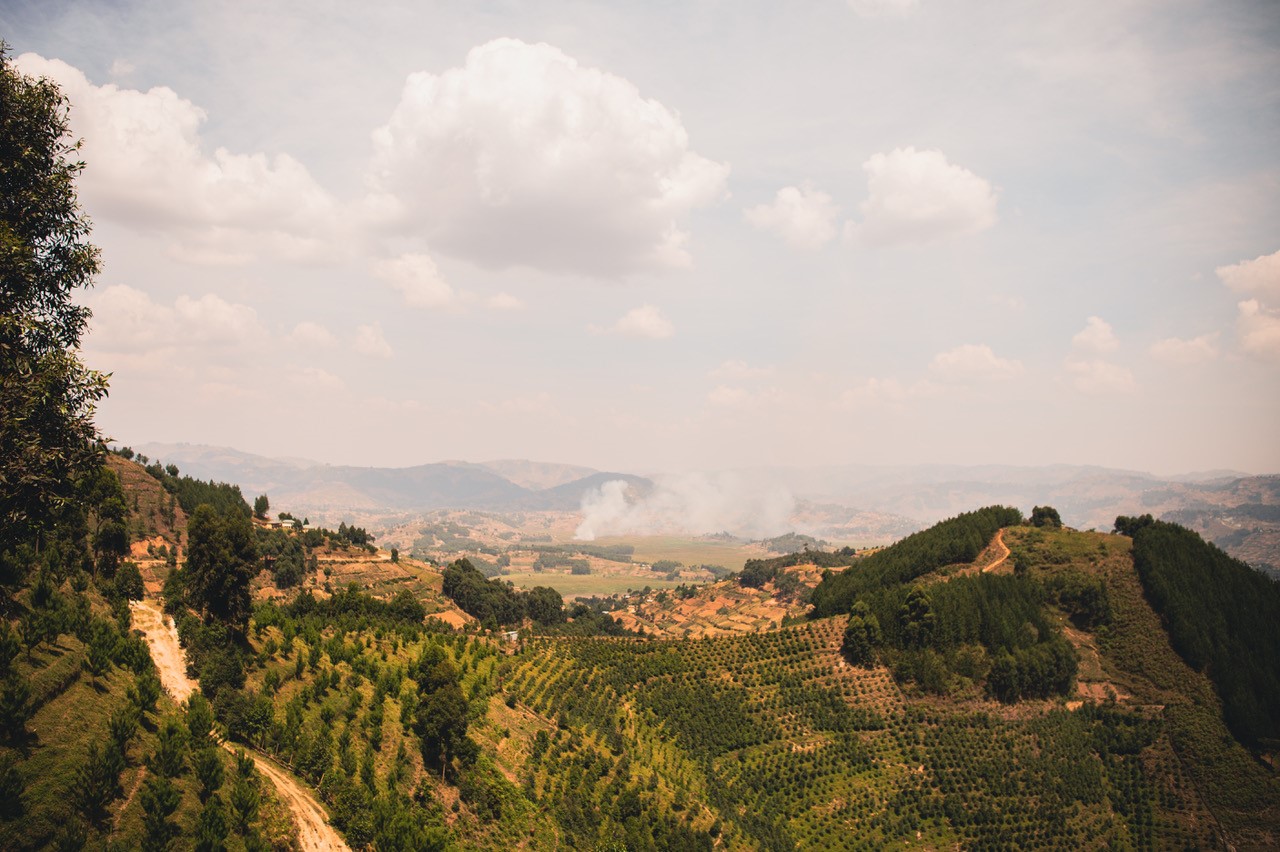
(999, 541)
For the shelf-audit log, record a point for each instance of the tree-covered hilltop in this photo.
(957, 540)
(1223, 617)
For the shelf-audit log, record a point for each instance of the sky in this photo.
(681, 236)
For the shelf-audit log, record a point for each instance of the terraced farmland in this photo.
(782, 744)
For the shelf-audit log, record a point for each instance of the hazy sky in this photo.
(663, 236)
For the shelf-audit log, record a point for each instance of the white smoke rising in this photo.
(694, 503)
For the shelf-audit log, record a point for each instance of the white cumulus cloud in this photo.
(418, 280)
(1099, 377)
(127, 320)
(524, 157)
(1259, 329)
(974, 361)
(803, 216)
(918, 196)
(644, 322)
(1260, 276)
(1096, 336)
(308, 333)
(369, 341)
(1180, 352)
(147, 167)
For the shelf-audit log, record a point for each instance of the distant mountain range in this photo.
(305, 486)
(1236, 510)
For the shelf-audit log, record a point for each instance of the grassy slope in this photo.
(798, 768)
(1242, 796)
(74, 712)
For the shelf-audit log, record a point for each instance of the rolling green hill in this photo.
(950, 726)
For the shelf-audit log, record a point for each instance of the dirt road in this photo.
(162, 636)
(314, 832)
(999, 542)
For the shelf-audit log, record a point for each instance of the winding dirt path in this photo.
(314, 832)
(999, 542)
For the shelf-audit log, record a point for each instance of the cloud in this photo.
(740, 370)
(1096, 336)
(369, 341)
(127, 320)
(318, 379)
(974, 361)
(1174, 350)
(524, 157)
(310, 334)
(417, 279)
(875, 392)
(724, 396)
(918, 196)
(146, 167)
(504, 302)
(1259, 329)
(883, 8)
(803, 216)
(694, 503)
(1260, 276)
(644, 322)
(1098, 377)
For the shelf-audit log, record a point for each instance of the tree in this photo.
(261, 506)
(1046, 516)
(441, 726)
(207, 764)
(211, 828)
(222, 558)
(861, 636)
(159, 799)
(544, 605)
(917, 619)
(98, 782)
(48, 440)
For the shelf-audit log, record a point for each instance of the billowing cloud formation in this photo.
(126, 320)
(417, 279)
(308, 333)
(146, 167)
(524, 157)
(644, 322)
(693, 503)
(974, 361)
(1175, 350)
(1259, 329)
(803, 216)
(1260, 275)
(1099, 377)
(918, 196)
(1096, 336)
(369, 341)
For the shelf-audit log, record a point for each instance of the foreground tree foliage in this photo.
(47, 438)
